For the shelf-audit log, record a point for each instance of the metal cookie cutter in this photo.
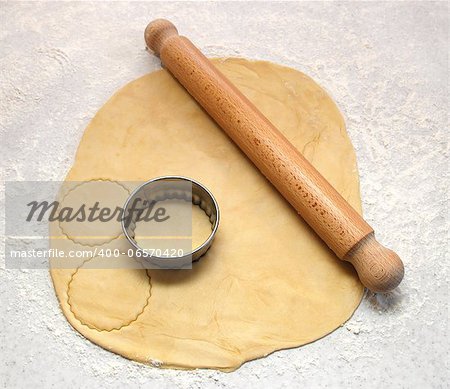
(167, 188)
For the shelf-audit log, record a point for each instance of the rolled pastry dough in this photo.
(177, 209)
(268, 282)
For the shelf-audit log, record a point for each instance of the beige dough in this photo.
(268, 282)
(148, 234)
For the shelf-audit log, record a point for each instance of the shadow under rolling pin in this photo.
(312, 196)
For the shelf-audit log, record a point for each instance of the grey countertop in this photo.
(386, 66)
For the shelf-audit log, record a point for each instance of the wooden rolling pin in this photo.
(320, 205)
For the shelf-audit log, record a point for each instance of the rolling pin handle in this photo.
(157, 32)
(379, 268)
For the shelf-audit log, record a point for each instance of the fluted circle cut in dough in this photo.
(108, 299)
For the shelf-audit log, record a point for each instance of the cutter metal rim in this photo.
(193, 255)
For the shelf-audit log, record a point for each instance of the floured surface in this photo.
(268, 282)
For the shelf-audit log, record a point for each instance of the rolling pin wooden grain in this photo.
(320, 205)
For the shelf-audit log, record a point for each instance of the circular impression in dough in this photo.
(268, 282)
(96, 301)
(82, 216)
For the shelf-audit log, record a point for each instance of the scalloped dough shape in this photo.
(108, 195)
(93, 290)
(268, 282)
